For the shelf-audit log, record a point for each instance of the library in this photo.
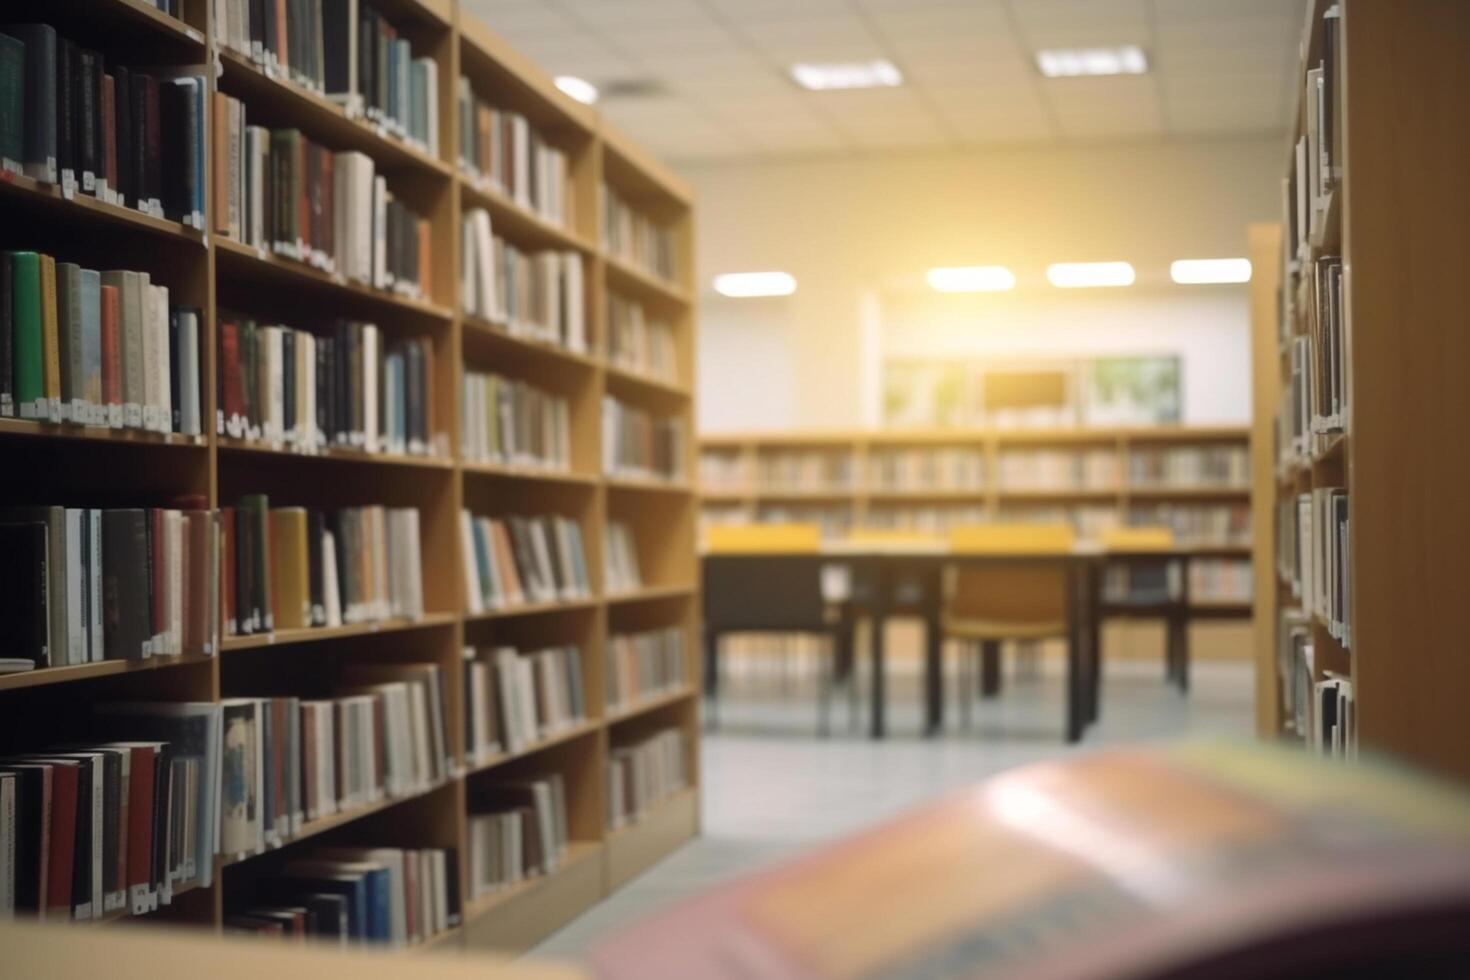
(669, 489)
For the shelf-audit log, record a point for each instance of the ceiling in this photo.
(723, 89)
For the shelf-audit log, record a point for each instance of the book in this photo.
(40, 86)
(643, 773)
(634, 236)
(641, 444)
(510, 421)
(12, 107)
(24, 580)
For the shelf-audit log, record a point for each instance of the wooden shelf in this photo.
(494, 336)
(517, 224)
(321, 118)
(648, 483)
(568, 734)
(513, 471)
(17, 189)
(577, 852)
(1189, 493)
(104, 668)
(318, 634)
(533, 609)
(650, 593)
(626, 278)
(1058, 493)
(27, 429)
(244, 261)
(335, 454)
(645, 705)
(638, 382)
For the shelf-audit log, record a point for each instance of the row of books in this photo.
(639, 341)
(289, 761)
(277, 190)
(517, 830)
(644, 664)
(96, 828)
(90, 125)
(641, 444)
(538, 295)
(1328, 387)
(926, 469)
(816, 469)
(1197, 524)
(81, 585)
(833, 521)
(343, 49)
(723, 469)
(1221, 580)
(1058, 469)
(297, 567)
(1314, 559)
(643, 774)
(1307, 191)
(1190, 466)
(515, 699)
(507, 420)
(310, 393)
(635, 236)
(502, 151)
(354, 895)
(621, 570)
(95, 348)
(513, 561)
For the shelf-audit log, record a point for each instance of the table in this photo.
(906, 580)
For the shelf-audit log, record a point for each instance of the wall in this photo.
(859, 232)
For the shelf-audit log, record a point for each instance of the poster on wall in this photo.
(924, 394)
(1138, 390)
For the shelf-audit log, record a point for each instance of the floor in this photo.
(772, 789)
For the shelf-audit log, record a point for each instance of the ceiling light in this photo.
(1081, 275)
(847, 74)
(578, 88)
(742, 285)
(1071, 62)
(1190, 272)
(972, 279)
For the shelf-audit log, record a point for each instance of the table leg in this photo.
(712, 679)
(1074, 655)
(989, 668)
(933, 658)
(1093, 586)
(877, 723)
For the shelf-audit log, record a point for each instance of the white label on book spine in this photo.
(11, 166)
(115, 901)
(115, 416)
(89, 181)
(53, 409)
(139, 899)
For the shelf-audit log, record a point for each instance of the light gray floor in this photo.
(772, 789)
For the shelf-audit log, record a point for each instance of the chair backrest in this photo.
(1142, 538)
(747, 539)
(1008, 539)
(880, 538)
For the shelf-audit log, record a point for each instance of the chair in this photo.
(764, 578)
(1020, 601)
(1141, 584)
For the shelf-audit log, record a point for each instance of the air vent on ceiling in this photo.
(631, 88)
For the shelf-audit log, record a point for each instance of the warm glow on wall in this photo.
(1084, 275)
(1191, 272)
(971, 279)
(742, 285)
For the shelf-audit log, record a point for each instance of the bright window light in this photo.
(1072, 62)
(743, 285)
(578, 88)
(971, 279)
(1083, 275)
(1191, 272)
(847, 74)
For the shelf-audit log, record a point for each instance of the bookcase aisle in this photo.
(378, 447)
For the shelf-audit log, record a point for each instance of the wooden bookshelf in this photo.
(1396, 217)
(101, 467)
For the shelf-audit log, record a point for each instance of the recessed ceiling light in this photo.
(1082, 275)
(742, 285)
(1128, 59)
(1191, 272)
(578, 88)
(847, 74)
(971, 279)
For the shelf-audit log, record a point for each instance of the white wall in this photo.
(850, 228)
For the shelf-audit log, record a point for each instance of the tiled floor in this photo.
(771, 788)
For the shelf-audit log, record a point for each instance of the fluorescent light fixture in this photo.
(578, 88)
(743, 285)
(1128, 59)
(1192, 272)
(847, 74)
(971, 279)
(1082, 275)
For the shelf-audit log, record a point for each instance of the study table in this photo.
(906, 580)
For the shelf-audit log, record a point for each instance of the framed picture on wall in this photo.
(1134, 390)
(923, 394)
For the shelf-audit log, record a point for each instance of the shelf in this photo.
(19, 189)
(1059, 493)
(577, 852)
(313, 634)
(974, 494)
(495, 335)
(1222, 610)
(533, 609)
(104, 668)
(623, 277)
(638, 382)
(516, 223)
(27, 429)
(1189, 493)
(235, 258)
(771, 493)
(567, 734)
(633, 848)
(513, 471)
(335, 454)
(322, 119)
(321, 826)
(727, 496)
(649, 704)
(650, 484)
(649, 594)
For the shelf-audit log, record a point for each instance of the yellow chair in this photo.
(1145, 538)
(1021, 601)
(762, 539)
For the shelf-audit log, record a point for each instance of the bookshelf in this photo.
(1388, 636)
(66, 463)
